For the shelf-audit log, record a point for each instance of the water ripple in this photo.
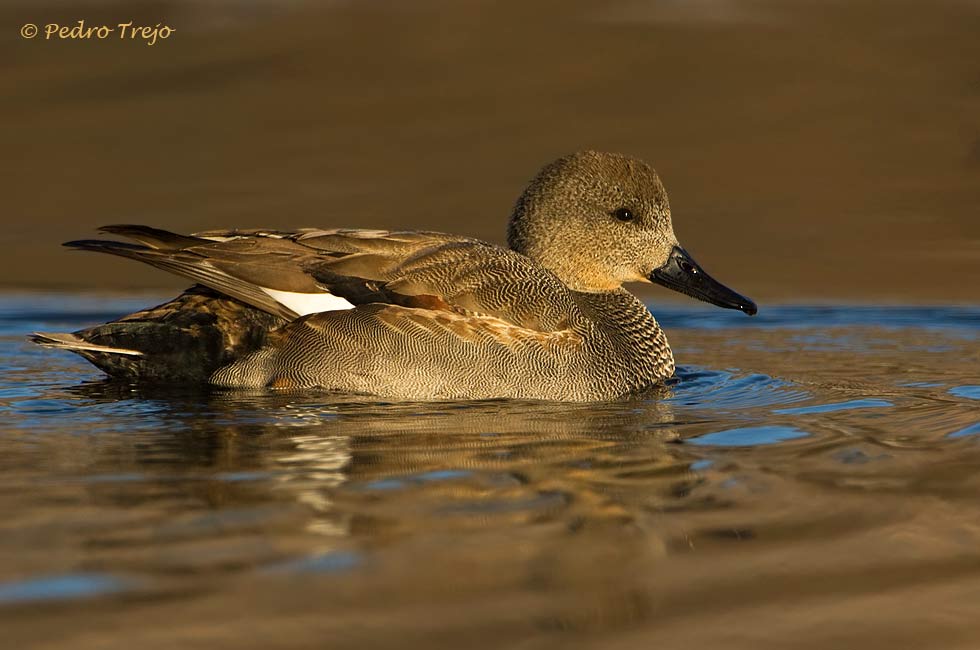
(970, 392)
(725, 389)
(837, 406)
(70, 586)
(749, 436)
(767, 424)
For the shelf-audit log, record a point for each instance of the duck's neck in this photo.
(634, 332)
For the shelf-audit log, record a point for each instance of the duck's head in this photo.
(598, 220)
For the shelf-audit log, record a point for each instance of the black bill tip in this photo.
(681, 273)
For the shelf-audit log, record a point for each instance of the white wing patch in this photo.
(308, 303)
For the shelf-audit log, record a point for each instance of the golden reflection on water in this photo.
(297, 520)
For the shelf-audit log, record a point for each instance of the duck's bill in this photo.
(681, 273)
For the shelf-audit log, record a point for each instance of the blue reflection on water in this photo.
(971, 392)
(972, 430)
(724, 389)
(60, 587)
(749, 436)
(966, 319)
(397, 483)
(837, 406)
(26, 311)
(332, 562)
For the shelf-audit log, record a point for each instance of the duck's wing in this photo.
(262, 268)
(242, 267)
(294, 273)
(465, 276)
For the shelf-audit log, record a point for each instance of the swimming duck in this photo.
(419, 315)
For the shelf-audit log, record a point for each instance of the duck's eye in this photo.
(624, 214)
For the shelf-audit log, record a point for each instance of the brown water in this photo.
(808, 481)
(812, 149)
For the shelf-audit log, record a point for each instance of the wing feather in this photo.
(427, 270)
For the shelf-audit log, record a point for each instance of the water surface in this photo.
(809, 479)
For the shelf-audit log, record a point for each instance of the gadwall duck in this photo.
(420, 315)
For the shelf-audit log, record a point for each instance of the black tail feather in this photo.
(156, 238)
(107, 246)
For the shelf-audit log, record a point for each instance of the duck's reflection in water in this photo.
(554, 503)
(426, 466)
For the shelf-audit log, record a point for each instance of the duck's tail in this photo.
(115, 360)
(182, 341)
